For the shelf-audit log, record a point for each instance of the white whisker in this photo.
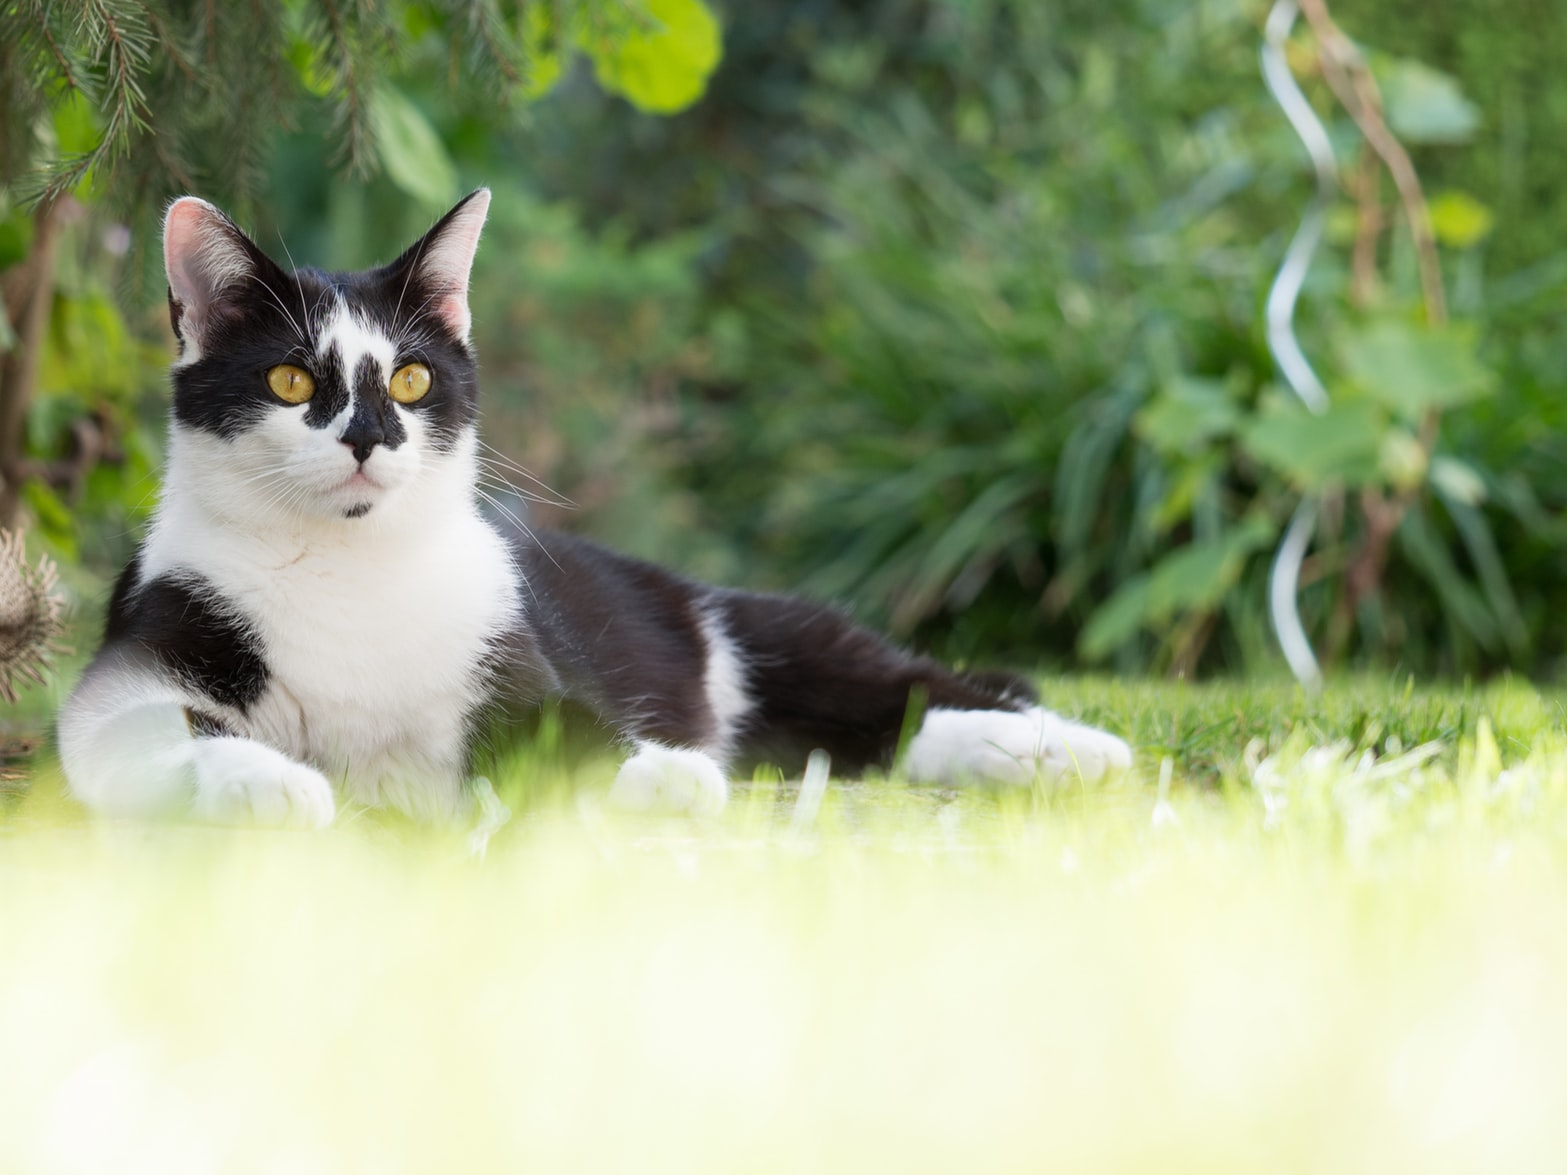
(500, 459)
(305, 339)
(525, 528)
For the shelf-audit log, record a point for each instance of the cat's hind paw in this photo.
(1013, 747)
(240, 781)
(670, 779)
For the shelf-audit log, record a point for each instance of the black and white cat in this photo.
(320, 606)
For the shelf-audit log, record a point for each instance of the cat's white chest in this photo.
(375, 650)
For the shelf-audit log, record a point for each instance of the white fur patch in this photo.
(124, 743)
(724, 683)
(127, 751)
(958, 746)
(670, 779)
(355, 338)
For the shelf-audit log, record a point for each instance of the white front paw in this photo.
(670, 779)
(240, 781)
(1005, 746)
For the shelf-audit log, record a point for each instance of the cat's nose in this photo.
(364, 433)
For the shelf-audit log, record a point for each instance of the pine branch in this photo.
(353, 110)
(62, 61)
(123, 44)
(187, 92)
(116, 44)
(497, 49)
(170, 46)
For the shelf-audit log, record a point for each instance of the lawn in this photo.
(1309, 934)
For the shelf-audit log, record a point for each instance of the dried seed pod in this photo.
(30, 616)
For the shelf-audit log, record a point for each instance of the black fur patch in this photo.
(375, 421)
(204, 725)
(819, 680)
(182, 622)
(625, 638)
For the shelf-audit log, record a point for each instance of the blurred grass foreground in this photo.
(1311, 936)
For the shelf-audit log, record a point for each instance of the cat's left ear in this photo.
(442, 259)
(211, 266)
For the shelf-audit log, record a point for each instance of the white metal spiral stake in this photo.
(1284, 582)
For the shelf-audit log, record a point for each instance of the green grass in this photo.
(1330, 935)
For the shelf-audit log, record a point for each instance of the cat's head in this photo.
(322, 395)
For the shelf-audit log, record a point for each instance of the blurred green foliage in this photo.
(951, 309)
(997, 272)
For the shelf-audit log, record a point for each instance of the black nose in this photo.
(364, 432)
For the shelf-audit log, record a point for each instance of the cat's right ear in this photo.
(209, 262)
(442, 260)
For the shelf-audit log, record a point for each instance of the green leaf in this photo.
(1461, 603)
(1116, 620)
(412, 153)
(1198, 574)
(1194, 577)
(1412, 369)
(1188, 412)
(1459, 220)
(1189, 482)
(1425, 105)
(665, 68)
(1314, 450)
(1480, 543)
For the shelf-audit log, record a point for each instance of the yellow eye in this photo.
(292, 384)
(410, 383)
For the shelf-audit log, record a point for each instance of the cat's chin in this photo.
(358, 500)
(358, 494)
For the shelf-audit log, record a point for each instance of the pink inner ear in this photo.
(201, 259)
(460, 242)
(453, 311)
(449, 259)
(179, 243)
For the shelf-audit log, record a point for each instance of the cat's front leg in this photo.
(129, 749)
